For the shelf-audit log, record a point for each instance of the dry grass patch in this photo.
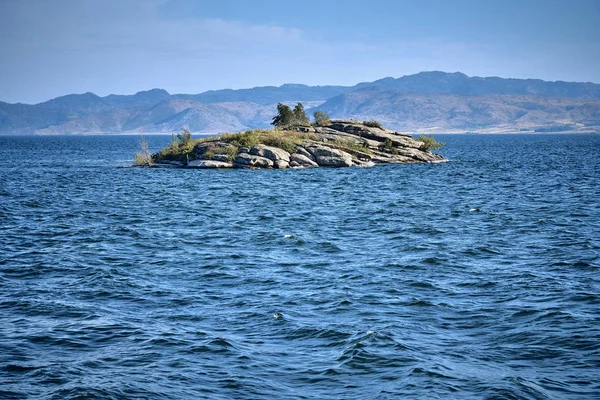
(283, 139)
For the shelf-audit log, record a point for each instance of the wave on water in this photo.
(476, 278)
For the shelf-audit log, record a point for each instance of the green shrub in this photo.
(231, 152)
(321, 118)
(284, 117)
(181, 145)
(287, 117)
(300, 117)
(286, 143)
(171, 151)
(186, 144)
(184, 137)
(208, 154)
(247, 139)
(388, 147)
(429, 143)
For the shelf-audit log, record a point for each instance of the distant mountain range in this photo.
(424, 102)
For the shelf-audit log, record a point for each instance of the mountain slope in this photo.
(144, 98)
(170, 116)
(428, 100)
(443, 112)
(458, 83)
(268, 94)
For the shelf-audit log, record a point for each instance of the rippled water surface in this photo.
(478, 278)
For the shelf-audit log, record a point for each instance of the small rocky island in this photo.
(325, 143)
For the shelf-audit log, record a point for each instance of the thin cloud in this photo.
(55, 47)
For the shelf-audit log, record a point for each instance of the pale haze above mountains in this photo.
(424, 102)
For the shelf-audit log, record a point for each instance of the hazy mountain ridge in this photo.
(267, 95)
(168, 116)
(449, 112)
(459, 83)
(428, 101)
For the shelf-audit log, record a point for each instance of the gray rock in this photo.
(272, 153)
(301, 150)
(373, 133)
(325, 161)
(334, 145)
(302, 160)
(209, 164)
(280, 164)
(245, 160)
(328, 157)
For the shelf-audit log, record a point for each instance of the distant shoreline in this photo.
(430, 102)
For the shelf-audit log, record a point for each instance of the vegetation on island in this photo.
(321, 118)
(284, 139)
(286, 117)
(230, 143)
(388, 147)
(362, 140)
(429, 143)
(181, 146)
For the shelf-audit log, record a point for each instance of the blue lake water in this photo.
(474, 279)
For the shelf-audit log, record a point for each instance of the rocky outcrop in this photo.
(375, 133)
(329, 157)
(280, 157)
(246, 160)
(301, 160)
(337, 144)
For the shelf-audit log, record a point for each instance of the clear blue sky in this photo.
(50, 48)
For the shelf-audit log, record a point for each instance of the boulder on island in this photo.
(328, 157)
(280, 157)
(246, 160)
(300, 160)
